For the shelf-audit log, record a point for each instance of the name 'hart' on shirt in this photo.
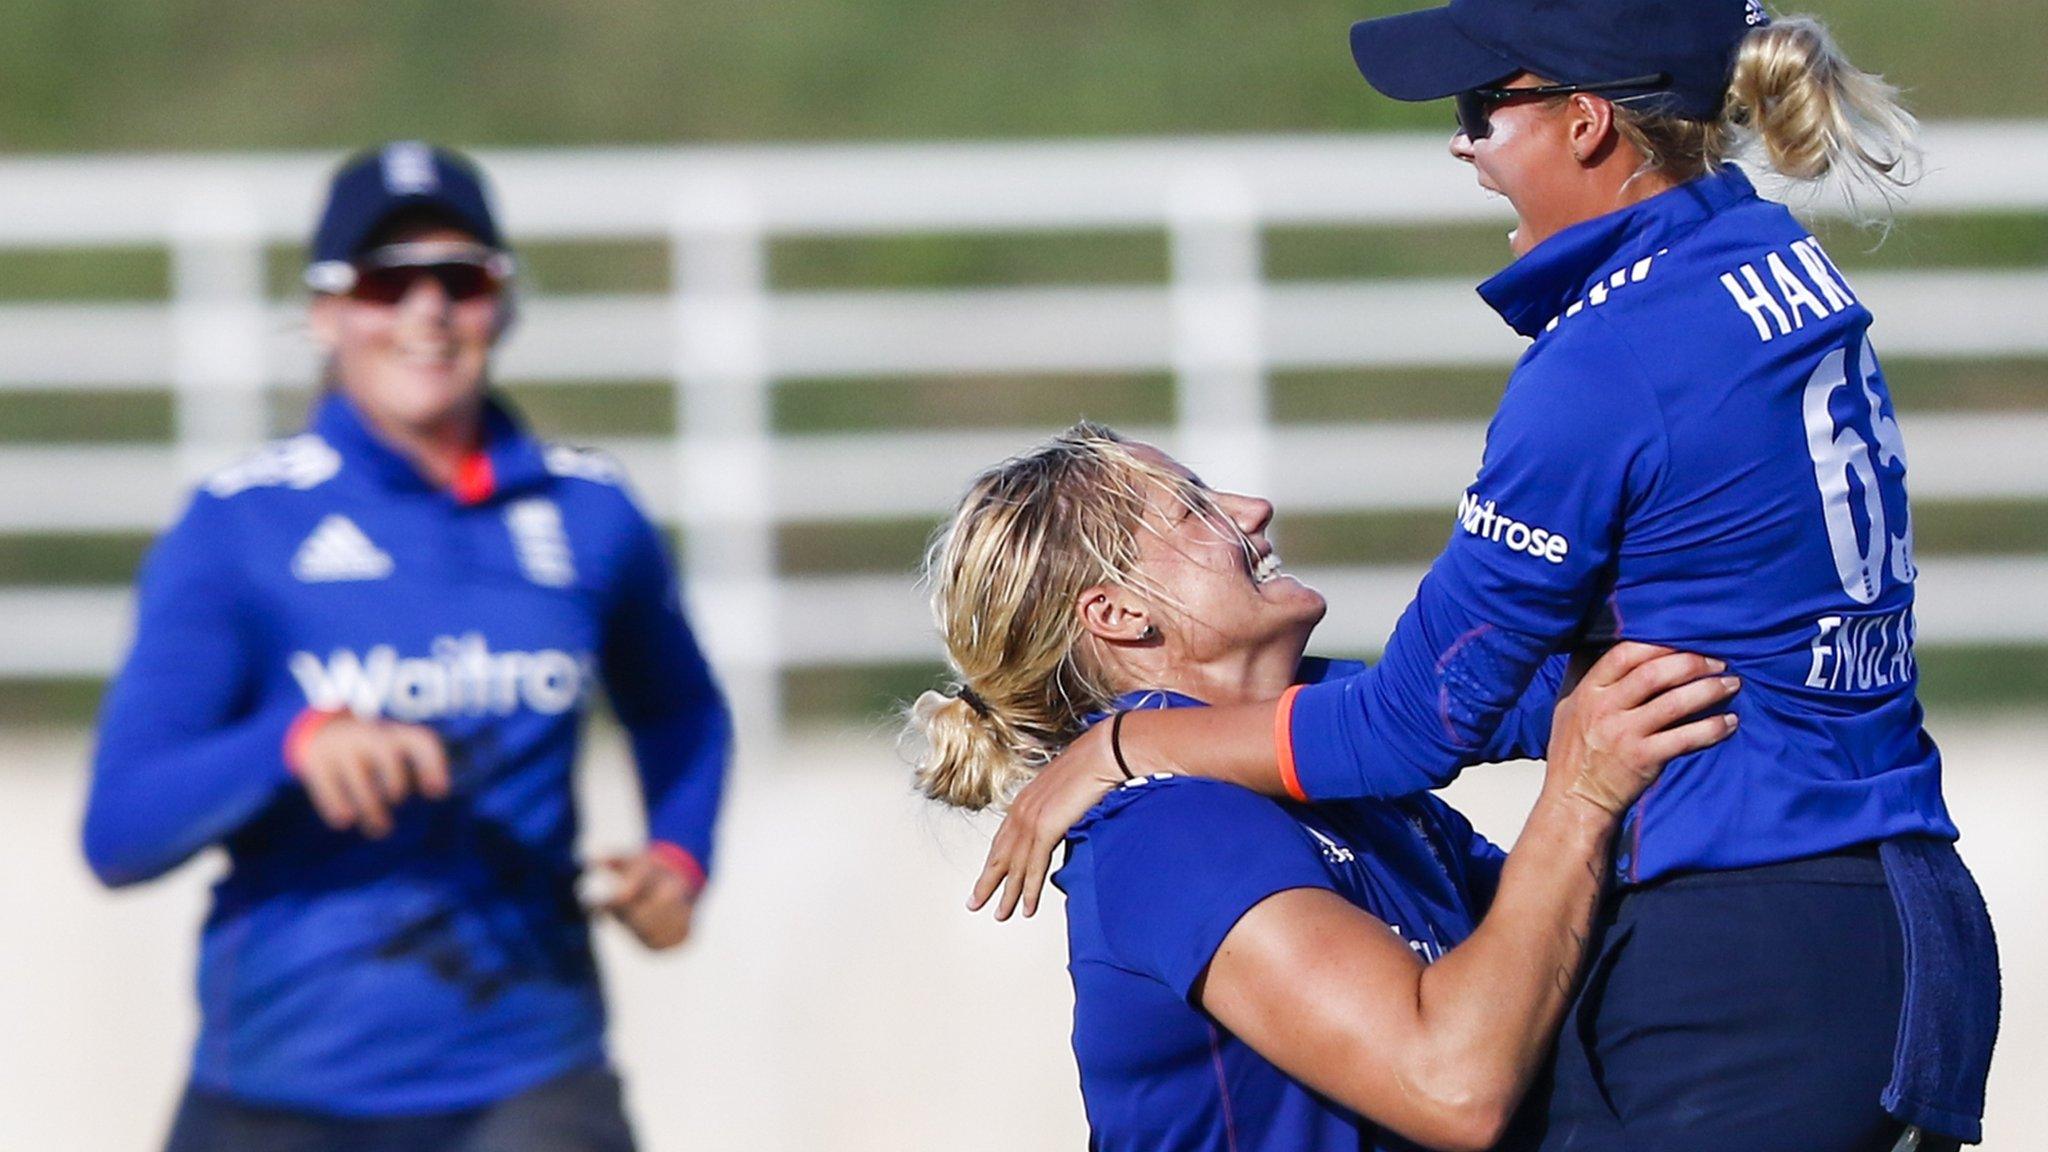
(1781, 307)
(1721, 493)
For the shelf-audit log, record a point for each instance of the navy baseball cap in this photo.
(372, 187)
(1439, 52)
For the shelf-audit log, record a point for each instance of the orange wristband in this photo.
(1283, 743)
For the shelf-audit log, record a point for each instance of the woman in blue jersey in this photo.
(361, 663)
(1236, 984)
(1698, 450)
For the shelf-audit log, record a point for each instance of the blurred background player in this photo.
(1236, 984)
(362, 660)
(1698, 450)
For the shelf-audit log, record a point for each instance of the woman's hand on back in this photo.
(358, 770)
(1628, 716)
(1039, 818)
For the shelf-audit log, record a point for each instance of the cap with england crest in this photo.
(372, 187)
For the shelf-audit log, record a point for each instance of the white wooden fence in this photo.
(725, 337)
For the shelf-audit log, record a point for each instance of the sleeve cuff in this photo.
(302, 730)
(1283, 743)
(681, 861)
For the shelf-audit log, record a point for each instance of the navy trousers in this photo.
(1755, 1009)
(578, 1112)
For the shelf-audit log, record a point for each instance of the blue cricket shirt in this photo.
(447, 965)
(1161, 870)
(1697, 450)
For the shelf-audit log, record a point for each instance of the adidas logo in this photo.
(338, 550)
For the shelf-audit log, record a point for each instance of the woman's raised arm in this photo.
(1442, 1053)
(1241, 744)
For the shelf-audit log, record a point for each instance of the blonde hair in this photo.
(1811, 116)
(1031, 534)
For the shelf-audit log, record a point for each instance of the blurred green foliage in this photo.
(213, 74)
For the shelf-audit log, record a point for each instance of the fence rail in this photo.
(724, 337)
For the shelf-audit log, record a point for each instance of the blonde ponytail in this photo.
(1807, 113)
(970, 761)
(1030, 536)
(1819, 118)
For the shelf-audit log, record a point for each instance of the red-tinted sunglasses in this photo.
(465, 272)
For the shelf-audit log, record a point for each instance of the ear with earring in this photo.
(1151, 632)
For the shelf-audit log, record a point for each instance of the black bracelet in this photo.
(1116, 744)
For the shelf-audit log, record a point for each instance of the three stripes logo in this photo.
(338, 550)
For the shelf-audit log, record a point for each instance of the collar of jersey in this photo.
(1537, 288)
(515, 457)
(1313, 670)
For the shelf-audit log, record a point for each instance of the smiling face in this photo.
(1207, 581)
(416, 366)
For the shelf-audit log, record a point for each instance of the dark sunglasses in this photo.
(459, 280)
(1476, 105)
(386, 275)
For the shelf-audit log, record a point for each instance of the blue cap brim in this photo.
(1423, 56)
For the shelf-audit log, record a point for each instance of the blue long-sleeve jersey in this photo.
(1698, 450)
(446, 965)
(1158, 874)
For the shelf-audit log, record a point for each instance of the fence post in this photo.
(723, 422)
(218, 299)
(1218, 349)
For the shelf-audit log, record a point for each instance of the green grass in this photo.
(2011, 528)
(897, 545)
(1372, 394)
(48, 702)
(573, 412)
(84, 275)
(33, 559)
(1459, 251)
(872, 546)
(594, 266)
(1988, 240)
(35, 416)
(1984, 677)
(970, 402)
(185, 74)
(944, 261)
(1377, 394)
(1140, 256)
(1965, 385)
(1951, 678)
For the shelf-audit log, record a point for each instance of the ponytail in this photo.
(1808, 113)
(969, 761)
(1819, 118)
(1028, 538)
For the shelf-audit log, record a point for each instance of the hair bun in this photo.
(965, 762)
